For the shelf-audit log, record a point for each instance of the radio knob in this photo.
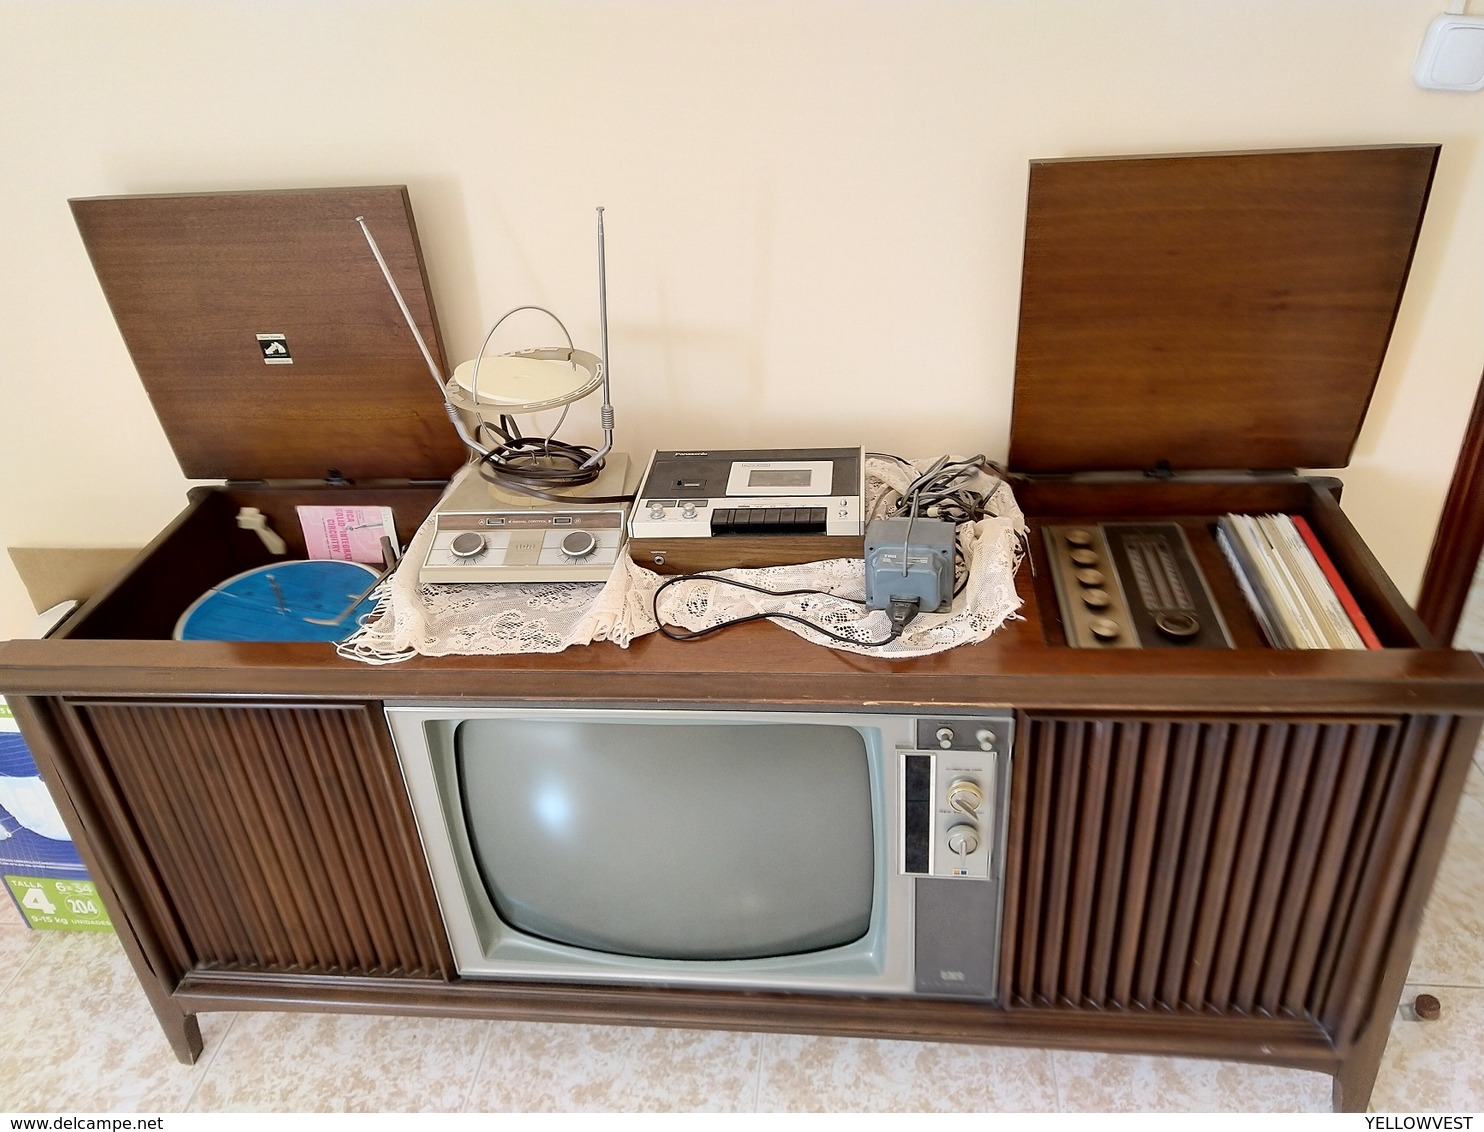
(579, 544)
(944, 736)
(469, 544)
(965, 797)
(1179, 626)
(1079, 537)
(1084, 557)
(1087, 576)
(1096, 599)
(1105, 628)
(963, 839)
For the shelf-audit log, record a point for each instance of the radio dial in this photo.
(1179, 626)
(469, 544)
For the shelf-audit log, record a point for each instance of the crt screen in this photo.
(672, 841)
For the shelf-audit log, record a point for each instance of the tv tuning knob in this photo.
(469, 544)
(944, 735)
(963, 839)
(965, 797)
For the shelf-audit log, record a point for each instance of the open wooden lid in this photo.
(266, 336)
(1211, 311)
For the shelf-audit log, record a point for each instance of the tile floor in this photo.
(76, 1035)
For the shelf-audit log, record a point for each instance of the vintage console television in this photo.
(1208, 848)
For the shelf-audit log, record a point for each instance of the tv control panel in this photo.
(949, 792)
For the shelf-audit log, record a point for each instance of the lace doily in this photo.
(513, 617)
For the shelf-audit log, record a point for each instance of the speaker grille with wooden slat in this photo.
(278, 840)
(1199, 866)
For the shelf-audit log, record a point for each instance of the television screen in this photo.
(672, 840)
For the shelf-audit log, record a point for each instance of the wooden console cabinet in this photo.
(1212, 852)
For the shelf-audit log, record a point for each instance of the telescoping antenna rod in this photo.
(605, 413)
(438, 378)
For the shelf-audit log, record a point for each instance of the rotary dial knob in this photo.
(965, 797)
(963, 839)
(467, 545)
(579, 544)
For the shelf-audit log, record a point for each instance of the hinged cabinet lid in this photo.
(1210, 311)
(266, 336)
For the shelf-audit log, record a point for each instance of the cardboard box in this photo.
(38, 861)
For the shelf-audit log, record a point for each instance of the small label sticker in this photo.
(275, 349)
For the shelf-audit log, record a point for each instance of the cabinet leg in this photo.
(181, 1030)
(1357, 1077)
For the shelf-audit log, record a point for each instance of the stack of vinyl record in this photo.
(1294, 590)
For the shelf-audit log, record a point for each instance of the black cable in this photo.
(534, 465)
(899, 617)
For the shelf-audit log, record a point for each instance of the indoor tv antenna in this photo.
(547, 510)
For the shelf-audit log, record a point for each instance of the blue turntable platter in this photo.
(281, 602)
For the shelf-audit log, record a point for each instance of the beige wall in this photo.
(814, 209)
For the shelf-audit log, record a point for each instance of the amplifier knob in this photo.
(688, 511)
(1084, 557)
(1105, 629)
(579, 544)
(467, 545)
(1087, 576)
(963, 839)
(1096, 599)
(1079, 537)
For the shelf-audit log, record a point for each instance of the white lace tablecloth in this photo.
(515, 617)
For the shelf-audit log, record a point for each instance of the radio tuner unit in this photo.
(754, 507)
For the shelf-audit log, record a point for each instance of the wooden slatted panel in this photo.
(1190, 865)
(278, 833)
